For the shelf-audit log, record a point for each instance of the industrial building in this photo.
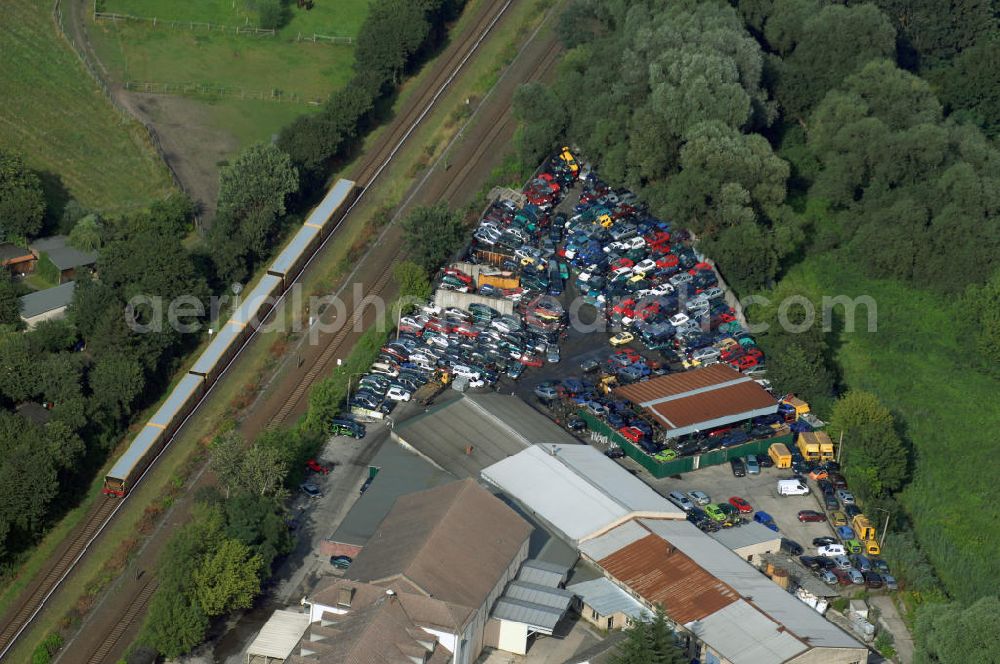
(576, 491)
(700, 399)
(751, 541)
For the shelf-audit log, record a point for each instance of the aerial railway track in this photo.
(35, 598)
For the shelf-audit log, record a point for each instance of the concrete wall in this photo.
(753, 553)
(54, 314)
(618, 619)
(447, 298)
(476, 632)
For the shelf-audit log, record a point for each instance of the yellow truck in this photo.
(780, 455)
(863, 527)
(815, 446)
(798, 405)
(872, 548)
(498, 279)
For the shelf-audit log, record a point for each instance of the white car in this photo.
(713, 292)
(832, 550)
(439, 341)
(397, 393)
(699, 497)
(763, 382)
(703, 354)
(431, 309)
(679, 319)
(680, 278)
(619, 271)
(465, 372)
(644, 266)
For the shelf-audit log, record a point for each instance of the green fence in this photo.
(659, 469)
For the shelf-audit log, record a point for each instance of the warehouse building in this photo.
(751, 541)
(699, 400)
(466, 434)
(576, 491)
(726, 611)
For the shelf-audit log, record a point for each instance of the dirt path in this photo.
(903, 641)
(483, 140)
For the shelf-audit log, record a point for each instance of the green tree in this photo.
(227, 579)
(271, 14)
(227, 458)
(174, 624)
(649, 641)
(875, 458)
(970, 85)
(258, 522)
(931, 31)
(746, 255)
(984, 306)
(115, 381)
(10, 304)
(543, 121)
(87, 234)
(391, 34)
(22, 203)
(263, 471)
(953, 633)
(432, 235)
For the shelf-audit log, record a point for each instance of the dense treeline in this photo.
(395, 36)
(779, 130)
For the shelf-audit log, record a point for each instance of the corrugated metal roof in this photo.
(187, 386)
(763, 593)
(337, 194)
(613, 540)
(678, 383)
(543, 618)
(577, 490)
(542, 573)
(50, 299)
(725, 401)
(555, 598)
(283, 263)
(744, 635)
(749, 534)
(663, 574)
(279, 635)
(139, 446)
(606, 598)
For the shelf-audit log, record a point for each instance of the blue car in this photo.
(845, 533)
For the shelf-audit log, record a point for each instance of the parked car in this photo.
(857, 578)
(811, 516)
(341, 562)
(679, 499)
(843, 562)
(791, 547)
(811, 562)
(828, 577)
(699, 497)
(831, 550)
(844, 532)
(823, 541)
(621, 339)
(715, 512)
(547, 392)
(740, 504)
(889, 581)
(845, 496)
(317, 467)
(753, 468)
(397, 393)
(739, 469)
(838, 518)
(311, 490)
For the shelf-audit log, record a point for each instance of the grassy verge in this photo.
(914, 364)
(54, 114)
(243, 378)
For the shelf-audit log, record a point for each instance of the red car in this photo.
(467, 331)
(731, 353)
(740, 504)
(622, 262)
(744, 363)
(633, 434)
(811, 516)
(438, 326)
(317, 467)
(667, 261)
(458, 274)
(843, 578)
(529, 360)
(719, 432)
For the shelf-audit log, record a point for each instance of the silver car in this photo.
(699, 497)
(753, 468)
(857, 578)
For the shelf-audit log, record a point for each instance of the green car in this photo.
(853, 546)
(665, 455)
(713, 511)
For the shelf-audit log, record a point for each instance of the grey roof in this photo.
(766, 595)
(555, 598)
(603, 546)
(749, 534)
(496, 426)
(576, 489)
(50, 299)
(400, 472)
(744, 635)
(293, 250)
(603, 596)
(178, 397)
(542, 618)
(540, 572)
(35, 412)
(338, 193)
(139, 446)
(227, 334)
(63, 256)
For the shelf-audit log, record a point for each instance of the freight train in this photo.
(229, 339)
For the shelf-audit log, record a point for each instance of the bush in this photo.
(272, 14)
(46, 649)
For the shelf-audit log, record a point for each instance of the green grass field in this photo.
(134, 52)
(53, 113)
(327, 17)
(914, 363)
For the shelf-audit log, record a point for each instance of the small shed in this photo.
(48, 304)
(600, 602)
(66, 259)
(17, 259)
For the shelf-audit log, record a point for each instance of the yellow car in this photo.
(872, 548)
(606, 221)
(690, 363)
(838, 519)
(621, 339)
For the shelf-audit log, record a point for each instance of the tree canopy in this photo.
(432, 235)
(22, 202)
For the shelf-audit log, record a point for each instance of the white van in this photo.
(792, 488)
